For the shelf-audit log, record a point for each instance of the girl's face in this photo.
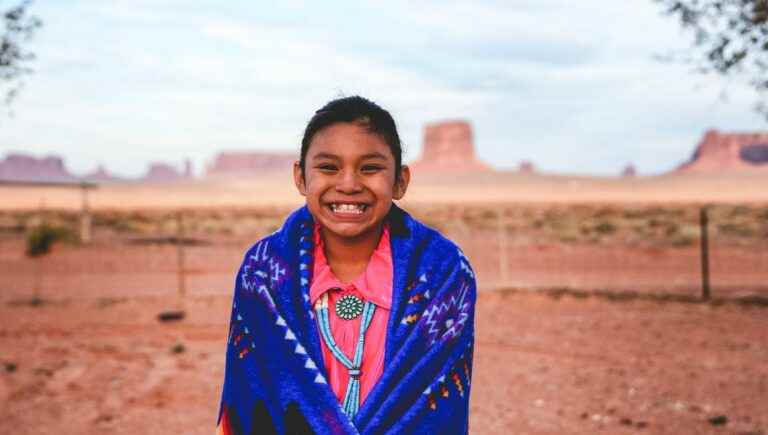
(349, 181)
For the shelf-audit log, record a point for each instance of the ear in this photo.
(298, 179)
(401, 184)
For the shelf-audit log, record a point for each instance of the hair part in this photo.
(357, 110)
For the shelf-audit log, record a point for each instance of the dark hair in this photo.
(357, 110)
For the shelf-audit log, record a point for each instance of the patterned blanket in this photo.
(274, 379)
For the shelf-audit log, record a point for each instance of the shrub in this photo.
(40, 239)
(736, 230)
(681, 241)
(605, 228)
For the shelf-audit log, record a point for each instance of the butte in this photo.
(448, 147)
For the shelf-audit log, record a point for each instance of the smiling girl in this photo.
(353, 317)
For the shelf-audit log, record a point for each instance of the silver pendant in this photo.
(348, 307)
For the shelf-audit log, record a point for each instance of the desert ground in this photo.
(277, 190)
(589, 318)
(543, 365)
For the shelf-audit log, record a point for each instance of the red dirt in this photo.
(543, 365)
(94, 359)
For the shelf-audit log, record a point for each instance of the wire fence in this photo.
(695, 251)
(706, 251)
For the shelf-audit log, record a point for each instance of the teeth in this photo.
(348, 208)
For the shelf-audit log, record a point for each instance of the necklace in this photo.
(351, 402)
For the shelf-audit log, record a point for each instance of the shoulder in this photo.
(429, 244)
(421, 234)
(259, 250)
(296, 225)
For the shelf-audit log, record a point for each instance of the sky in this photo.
(573, 86)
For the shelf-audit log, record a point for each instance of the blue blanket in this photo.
(274, 381)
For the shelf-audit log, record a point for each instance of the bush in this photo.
(40, 239)
(736, 230)
(605, 228)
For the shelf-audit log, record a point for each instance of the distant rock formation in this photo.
(159, 172)
(729, 152)
(24, 167)
(448, 146)
(526, 167)
(629, 171)
(250, 163)
(101, 175)
(188, 169)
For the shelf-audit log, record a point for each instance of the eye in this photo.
(370, 169)
(326, 167)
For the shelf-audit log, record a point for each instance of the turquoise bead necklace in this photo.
(348, 310)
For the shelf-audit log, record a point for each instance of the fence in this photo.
(618, 249)
(702, 251)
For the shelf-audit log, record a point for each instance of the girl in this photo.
(353, 317)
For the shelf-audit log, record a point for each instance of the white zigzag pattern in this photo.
(261, 251)
(432, 313)
(260, 255)
(244, 278)
(299, 349)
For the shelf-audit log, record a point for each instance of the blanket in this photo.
(274, 378)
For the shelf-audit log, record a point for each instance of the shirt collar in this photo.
(375, 284)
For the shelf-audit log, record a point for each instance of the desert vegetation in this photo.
(631, 225)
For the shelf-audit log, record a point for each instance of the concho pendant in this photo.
(348, 307)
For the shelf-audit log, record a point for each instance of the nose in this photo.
(348, 182)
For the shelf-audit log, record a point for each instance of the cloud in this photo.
(164, 80)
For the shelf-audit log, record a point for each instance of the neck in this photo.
(348, 258)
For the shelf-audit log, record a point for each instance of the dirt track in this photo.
(543, 365)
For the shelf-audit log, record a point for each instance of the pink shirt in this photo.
(374, 285)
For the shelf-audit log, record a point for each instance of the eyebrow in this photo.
(374, 155)
(319, 156)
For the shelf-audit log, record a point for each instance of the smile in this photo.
(348, 208)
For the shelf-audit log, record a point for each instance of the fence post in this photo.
(85, 216)
(178, 314)
(502, 236)
(180, 255)
(703, 222)
(38, 259)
